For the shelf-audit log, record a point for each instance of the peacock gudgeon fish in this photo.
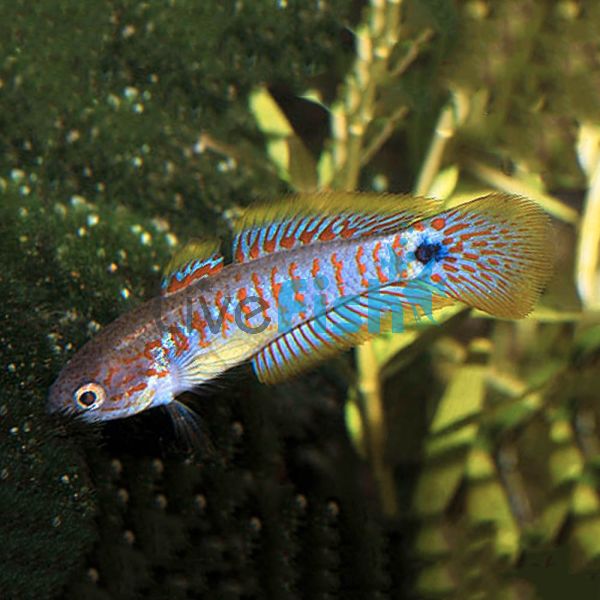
(311, 275)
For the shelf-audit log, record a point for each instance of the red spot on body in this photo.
(419, 226)
(338, 265)
(450, 268)
(199, 324)
(436, 278)
(380, 274)
(275, 286)
(494, 262)
(180, 340)
(458, 247)
(468, 268)
(438, 223)
(227, 317)
(471, 256)
(259, 292)
(298, 296)
(315, 267)
(362, 269)
(242, 294)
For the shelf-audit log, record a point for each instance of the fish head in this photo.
(108, 379)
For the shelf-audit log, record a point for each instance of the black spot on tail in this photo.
(426, 252)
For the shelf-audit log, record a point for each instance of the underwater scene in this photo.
(300, 299)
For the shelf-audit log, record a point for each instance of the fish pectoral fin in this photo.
(196, 260)
(392, 307)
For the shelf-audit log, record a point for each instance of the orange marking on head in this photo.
(438, 223)
(436, 278)
(116, 398)
(447, 241)
(131, 359)
(458, 247)
(396, 244)
(418, 226)
(339, 278)
(142, 385)
(111, 374)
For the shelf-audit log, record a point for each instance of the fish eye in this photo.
(89, 396)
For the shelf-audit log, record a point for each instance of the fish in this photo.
(311, 275)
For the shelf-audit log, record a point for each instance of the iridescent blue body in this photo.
(308, 280)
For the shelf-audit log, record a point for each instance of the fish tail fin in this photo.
(497, 254)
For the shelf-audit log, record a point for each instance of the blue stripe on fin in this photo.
(196, 260)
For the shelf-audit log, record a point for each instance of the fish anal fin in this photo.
(390, 308)
(324, 216)
(194, 261)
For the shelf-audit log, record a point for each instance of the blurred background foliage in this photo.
(454, 460)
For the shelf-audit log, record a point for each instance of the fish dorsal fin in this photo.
(322, 217)
(194, 261)
(350, 323)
